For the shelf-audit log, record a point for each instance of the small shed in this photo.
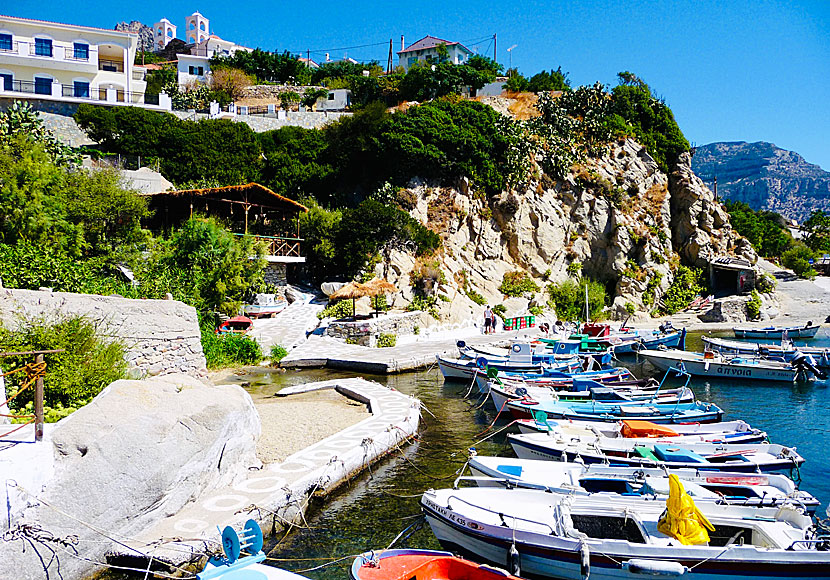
(729, 275)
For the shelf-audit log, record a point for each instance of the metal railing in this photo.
(110, 65)
(93, 94)
(42, 50)
(278, 246)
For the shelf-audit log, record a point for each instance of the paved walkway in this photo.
(290, 327)
(280, 491)
(324, 351)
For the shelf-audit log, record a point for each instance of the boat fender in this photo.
(654, 567)
(460, 344)
(514, 560)
(584, 561)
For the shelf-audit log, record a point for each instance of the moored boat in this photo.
(420, 565)
(809, 330)
(653, 411)
(780, 352)
(723, 432)
(748, 457)
(711, 364)
(551, 535)
(734, 488)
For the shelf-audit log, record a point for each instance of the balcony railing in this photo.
(278, 246)
(110, 65)
(93, 94)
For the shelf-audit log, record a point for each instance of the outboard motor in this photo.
(804, 363)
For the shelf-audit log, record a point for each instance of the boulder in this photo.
(136, 454)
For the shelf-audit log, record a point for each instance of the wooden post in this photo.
(39, 402)
(247, 207)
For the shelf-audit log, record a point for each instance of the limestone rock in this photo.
(137, 453)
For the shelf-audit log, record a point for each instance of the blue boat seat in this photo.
(677, 455)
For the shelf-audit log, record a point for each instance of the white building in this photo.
(49, 61)
(163, 32)
(197, 28)
(426, 49)
(192, 69)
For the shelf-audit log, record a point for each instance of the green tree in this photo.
(568, 298)
(817, 228)
(555, 80)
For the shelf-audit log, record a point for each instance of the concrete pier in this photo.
(323, 351)
(279, 493)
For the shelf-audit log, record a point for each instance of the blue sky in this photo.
(751, 70)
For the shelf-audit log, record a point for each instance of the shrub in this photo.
(766, 283)
(278, 353)
(499, 310)
(536, 310)
(574, 269)
(386, 340)
(686, 285)
(517, 283)
(426, 304)
(568, 298)
(475, 297)
(74, 377)
(630, 308)
(797, 259)
(753, 306)
(339, 309)
(227, 350)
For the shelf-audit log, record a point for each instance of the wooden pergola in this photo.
(248, 209)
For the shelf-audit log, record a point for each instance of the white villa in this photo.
(49, 61)
(426, 49)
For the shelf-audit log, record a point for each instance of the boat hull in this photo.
(562, 558)
(529, 450)
(777, 333)
(720, 369)
(671, 340)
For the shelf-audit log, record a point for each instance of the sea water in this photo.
(375, 507)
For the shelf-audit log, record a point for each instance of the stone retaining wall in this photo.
(161, 336)
(365, 332)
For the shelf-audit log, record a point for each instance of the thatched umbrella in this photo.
(352, 290)
(380, 286)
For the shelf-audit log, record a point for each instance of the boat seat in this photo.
(645, 452)
(677, 454)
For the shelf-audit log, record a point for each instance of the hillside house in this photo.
(426, 49)
(58, 66)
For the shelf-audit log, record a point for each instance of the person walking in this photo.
(488, 319)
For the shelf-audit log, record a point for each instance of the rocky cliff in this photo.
(618, 219)
(764, 177)
(145, 33)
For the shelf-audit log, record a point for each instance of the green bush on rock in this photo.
(686, 285)
(568, 298)
(72, 378)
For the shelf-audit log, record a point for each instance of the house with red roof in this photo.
(426, 50)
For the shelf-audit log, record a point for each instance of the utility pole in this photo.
(495, 52)
(308, 57)
(716, 188)
(389, 62)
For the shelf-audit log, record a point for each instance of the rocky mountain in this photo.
(145, 33)
(764, 177)
(618, 217)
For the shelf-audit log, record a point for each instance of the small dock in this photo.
(278, 494)
(323, 351)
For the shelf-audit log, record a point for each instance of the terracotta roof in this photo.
(65, 24)
(232, 189)
(430, 42)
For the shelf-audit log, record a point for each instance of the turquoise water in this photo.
(373, 509)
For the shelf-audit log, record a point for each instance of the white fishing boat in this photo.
(784, 352)
(578, 478)
(712, 364)
(723, 432)
(265, 305)
(668, 452)
(809, 330)
(539, 534)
